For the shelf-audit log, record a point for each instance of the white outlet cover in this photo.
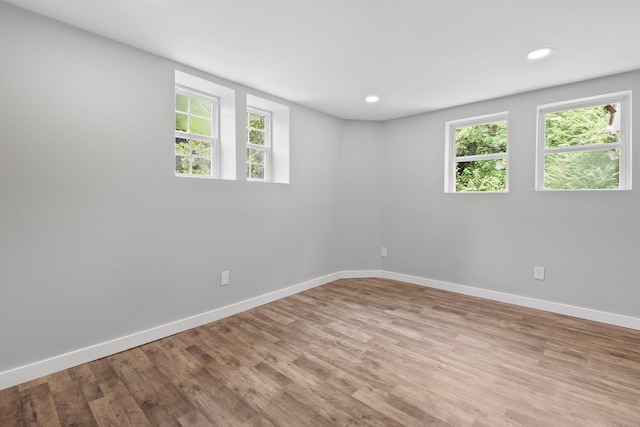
(538, 273)
(224, 278)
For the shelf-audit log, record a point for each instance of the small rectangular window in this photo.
(258, 145)
(585, 144)
(476, 154)
(196, 133)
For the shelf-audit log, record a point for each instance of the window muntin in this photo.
(477, 154)
(258, 144)
(196, 133)
(585, 144)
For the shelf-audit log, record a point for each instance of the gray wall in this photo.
(587, 241)
(99, 239)
(360, 196)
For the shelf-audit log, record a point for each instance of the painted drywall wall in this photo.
(587, 241)
(99, 239)
(360, 201)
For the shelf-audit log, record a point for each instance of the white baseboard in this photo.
(48, 366)
(360, 274)
(553, 307)
(54, 364)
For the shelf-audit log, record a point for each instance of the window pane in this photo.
(181, 122)
(486, 138)
(182, 164)
(255, 156)
(584, 126)
(182, 146)
(256, 137)
(256, 121)
(182, 102)
(200, 126)
(201, 148)
(257, 172)
(201, 107)
(482, 175)
(582, 170)
(201, 166)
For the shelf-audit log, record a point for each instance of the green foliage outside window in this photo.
(481, 175)
(257, 135)
(193, 156)
(256, 121)
(584, 126)
(255, 163)
(584, 169)
(194, 115)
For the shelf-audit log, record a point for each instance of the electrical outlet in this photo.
(224, 278)
(538, 273)
(383, 251)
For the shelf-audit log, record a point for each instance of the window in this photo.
(585, 144)
(196, 133)
(476, 154)
(267, 159)
(223, 119)
(258, 144)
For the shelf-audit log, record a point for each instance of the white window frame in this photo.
(450, 150)
(623, 144)
(214, 138)
(266, 148)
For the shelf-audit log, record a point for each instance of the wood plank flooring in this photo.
(362, 352)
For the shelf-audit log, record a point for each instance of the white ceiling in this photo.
(417, 55)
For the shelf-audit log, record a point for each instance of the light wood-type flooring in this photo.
(368, 352)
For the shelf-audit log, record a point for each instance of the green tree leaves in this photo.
(193, 156)
(481, 175)
(581, 170)
(478, 140)
(488, 138)
(584, 126)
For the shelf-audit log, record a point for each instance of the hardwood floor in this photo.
(368, 352)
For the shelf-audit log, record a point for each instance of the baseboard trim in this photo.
(54, 364)
(360, 274)
(553, 307)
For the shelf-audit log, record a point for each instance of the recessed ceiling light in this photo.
(372, 98)
(539, 53)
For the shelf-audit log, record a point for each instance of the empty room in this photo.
(331, 213)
